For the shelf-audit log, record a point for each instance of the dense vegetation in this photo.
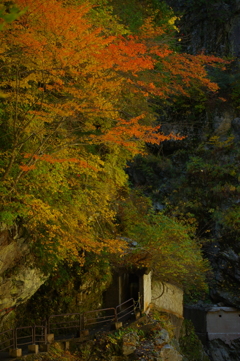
(81, 87)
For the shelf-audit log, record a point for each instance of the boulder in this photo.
(161, 337)
(130, 342)
(168, 353)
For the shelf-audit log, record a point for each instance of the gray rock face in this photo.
(211, 26)
(226, 265)
(20, 277)
(236, 127)
(20, 285)
(220, 351)
(13, 247)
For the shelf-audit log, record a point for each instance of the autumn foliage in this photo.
(75, 107)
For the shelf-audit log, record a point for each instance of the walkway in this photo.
(65, 327)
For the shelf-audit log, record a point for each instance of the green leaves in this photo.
(162, 244)
(8, 16)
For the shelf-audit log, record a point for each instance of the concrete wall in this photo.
(223, 323)
(167, 297)
(127, 285)
(145, 290)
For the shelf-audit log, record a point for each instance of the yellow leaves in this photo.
(216, 141)
(75, 98)
(149, 30)
(172, 21)
(4, 95)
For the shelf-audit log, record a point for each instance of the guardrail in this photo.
(68, 324)
(41, 337)
(24, 336)
(10, 340)
(28, 335)
(99, 317)
(125, 309)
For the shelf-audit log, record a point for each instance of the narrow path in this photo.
(125, 318)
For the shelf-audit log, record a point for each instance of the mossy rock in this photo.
(190, 344)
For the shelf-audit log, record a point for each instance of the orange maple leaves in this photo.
(126, 132)
(52, 160)
(76, 108)
(82, 71)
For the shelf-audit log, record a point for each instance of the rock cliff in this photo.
(210, 26)
(20, 276)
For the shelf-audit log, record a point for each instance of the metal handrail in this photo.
(99, 319)
(72, 323)
(42, 335)
(10, 339)
(83, 320)
(31, 336)
(127, 311)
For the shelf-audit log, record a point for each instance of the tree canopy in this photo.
(75, 85)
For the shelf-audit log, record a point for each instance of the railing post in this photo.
(117, 323)
(15, 346)
(139, 300)
(45, 332)
(48, 325)
(83, 321)
(115, 312)
(14, 338)
(44, 347)
(15, 352)
(34, 334)
(50, 336)
(85, 332)
(33, 348)
(79, 324)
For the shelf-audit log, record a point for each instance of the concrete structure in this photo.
(33, 349)
(143, 285)
(223, 323)
(215, 322)
(15, 352)
(146, 290)
(167, 297)
(120, 289)
(126, 285)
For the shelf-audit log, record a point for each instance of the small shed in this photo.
(214, 322)
(223, 323)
